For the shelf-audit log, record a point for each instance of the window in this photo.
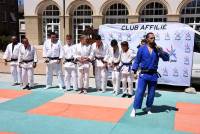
(197, 43)
(116, 13)
(190, 14)
(153, 12)
(82, 19)
(50, 21)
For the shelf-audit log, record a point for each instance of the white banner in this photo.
(175, 38)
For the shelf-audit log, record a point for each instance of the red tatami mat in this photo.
(187, 118)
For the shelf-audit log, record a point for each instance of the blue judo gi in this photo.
(149, 75)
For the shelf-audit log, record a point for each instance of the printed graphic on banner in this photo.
(172, 54)
(188, 37)
(175, 72)
(186, 60)
(165, 72)
(185, 73)
(120, 37)
(157, 36)
(175, 38)
(187, 48)
(167, 37)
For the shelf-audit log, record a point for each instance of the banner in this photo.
(175, 38)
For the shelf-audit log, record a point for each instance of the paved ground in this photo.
(52, 111)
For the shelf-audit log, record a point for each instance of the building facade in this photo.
(8, 17)
(22, 25)
(73, 16)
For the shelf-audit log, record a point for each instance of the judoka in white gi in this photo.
(127, 57)
(114, 60)
(27, 61)
(53, 53)
(99, 55)
(83, 51)
(11, 55)
(70, 66)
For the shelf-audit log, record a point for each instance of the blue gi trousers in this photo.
(143, 81)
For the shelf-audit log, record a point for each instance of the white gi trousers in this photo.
(50, 68)
(16, 73)
(116, 75)
(83, 77)
(71, 77)
(127, 77)
(101, 76)
(28, 76)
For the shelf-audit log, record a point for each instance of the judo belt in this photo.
(100, 58)
(53, 58)
(115, 63)
(69, 60)
(150, 71)
(127, 65)
(11, 60)
(27, 61)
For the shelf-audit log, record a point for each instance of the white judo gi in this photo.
(11, 55)
(100, 57)
(27, 58)
(53, 52)
(70, 67)
(114, 60)
(83, 67)
(126, 72)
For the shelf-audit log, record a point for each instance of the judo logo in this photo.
(119, 37)
(157, 36)
(128, 37)
(188, 36)
(167, 37)
(177, 36)
(110, 36)
(175, 72)
(187, 48)
(185, 73)
(172, 54)
(165, 72)
(186, 60)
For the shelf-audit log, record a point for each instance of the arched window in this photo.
(50, 21)
(153, 12)
(82, 19)
(190, 14)
(116, 13)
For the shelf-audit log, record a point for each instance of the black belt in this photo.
(69, 60)
(27, 61)
(100, 58)
(116, 63)
(150, 71)
(13, 60)
(53, 58)
(126, 64)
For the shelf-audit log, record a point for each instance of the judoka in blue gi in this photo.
(147, 59)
